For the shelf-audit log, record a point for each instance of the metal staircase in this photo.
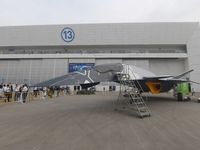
(130, 96)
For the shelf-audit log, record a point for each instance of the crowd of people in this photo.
(19, 93)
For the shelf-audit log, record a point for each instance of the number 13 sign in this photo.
(67, 34)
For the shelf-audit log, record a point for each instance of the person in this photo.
(35, 89)
(24, 92)
(20, 94)
(1, 88)
(6, 90)
(57, 91)
(45, 91)
(11, 90)
(51, 91)
(63, 89)
(42, 93)
(17, 93)
(67, 89)
(1, 93)
(193, 91)
(31, 93)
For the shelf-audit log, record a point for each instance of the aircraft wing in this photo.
(159, 84)
(104, 73)
(168, 76)
(86, 77)
(181, 75)
(157, 77)
(176, 81)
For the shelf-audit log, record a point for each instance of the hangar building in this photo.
(30, 54)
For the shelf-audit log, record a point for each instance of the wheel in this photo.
(188, 98)
(180, 96)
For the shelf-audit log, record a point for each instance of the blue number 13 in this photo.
(68, 34)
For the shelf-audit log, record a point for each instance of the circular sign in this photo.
(67, 34)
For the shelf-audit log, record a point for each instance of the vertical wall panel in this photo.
(35, 70)
(61, 67)
(138, 63)
(8, 71)
(167, 66)
(193, 47)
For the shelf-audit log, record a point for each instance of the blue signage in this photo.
(67, 34)
(79, 66)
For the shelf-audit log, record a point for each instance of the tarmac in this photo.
(90, 122)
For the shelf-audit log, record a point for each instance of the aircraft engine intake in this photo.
(155, 87)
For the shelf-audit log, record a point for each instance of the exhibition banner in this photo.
(79, 66)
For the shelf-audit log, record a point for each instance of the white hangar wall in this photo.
(193, 47)
(98, 34)
(32, 70)
(30, 54)
(167, 66)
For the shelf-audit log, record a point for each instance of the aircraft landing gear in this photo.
(181, 97)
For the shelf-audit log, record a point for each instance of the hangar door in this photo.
(138, 63)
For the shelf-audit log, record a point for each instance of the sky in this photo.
(48, 12)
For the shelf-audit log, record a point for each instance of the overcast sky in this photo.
(45, 12)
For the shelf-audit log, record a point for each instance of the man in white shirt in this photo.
(1, 90)
(6, 90)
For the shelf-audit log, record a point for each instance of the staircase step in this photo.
(135, 98)
(139, 103)
(132, 96)
(142, 114)
(142, 108)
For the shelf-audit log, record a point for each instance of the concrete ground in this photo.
(90, 122)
